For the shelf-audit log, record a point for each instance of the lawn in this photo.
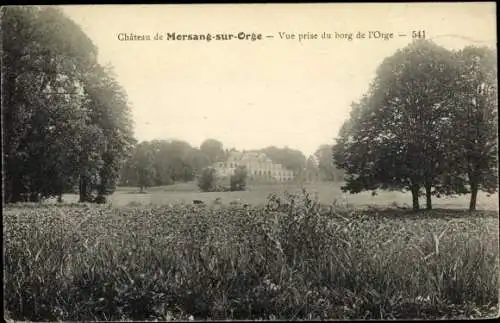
(328, 193)
(174, 261)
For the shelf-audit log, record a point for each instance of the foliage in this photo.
(213, 149)
(172, 161)
(398, 136)
(110, 112)
(64, 118)
(326, 167)
(291, 159)
(300, 261)
(177, 161)
(311, 170)
(207, 180)
(238, 179)
(141, 165)
(475, 120)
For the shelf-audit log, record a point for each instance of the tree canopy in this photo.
(326, 167)
(65, 118)
(400, 135)
(291, 159)
(213, 149)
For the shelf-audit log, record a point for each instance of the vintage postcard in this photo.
(250, 162)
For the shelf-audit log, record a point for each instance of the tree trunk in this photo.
(102, 185)
(13, 193)
(60, 191)
(34, 197)
(84, 189)
(473, 197)
(414, 194)
(102, 189)
(428, 196)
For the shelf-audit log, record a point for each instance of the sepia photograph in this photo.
(259, 162)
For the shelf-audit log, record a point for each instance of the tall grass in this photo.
(293, 261)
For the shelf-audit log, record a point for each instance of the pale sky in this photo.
(251, 95)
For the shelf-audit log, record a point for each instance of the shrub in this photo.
(238, 179)
(207, 180)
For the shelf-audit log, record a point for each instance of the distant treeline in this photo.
(164, 162)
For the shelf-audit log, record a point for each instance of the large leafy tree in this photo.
(110, 112)
(179, 158)
(393, 139)
(312, 170)
(56, 108)
(475, 120)
(45, 59)
(326, 166)
(163, 171)
(213, 149)
(291, 159)
(140, 166)
(197, 160)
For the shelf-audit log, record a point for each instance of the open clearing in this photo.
(328, 193)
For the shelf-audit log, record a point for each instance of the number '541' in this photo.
(418, 34)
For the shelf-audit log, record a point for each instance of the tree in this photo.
(291, 159)
(178, 160)
(213, 149)
(312, 170)
(163, 171)
(142, 165)
(110, 112)
(326, 166)
(173, 161)
(207, 180)
(65, 118)
(45, 58)
(475, 120)
(394, 137)
(238, 179)
(197, 161)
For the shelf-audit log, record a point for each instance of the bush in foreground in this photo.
(294, 262)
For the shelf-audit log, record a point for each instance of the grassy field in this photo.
(327, 193)
(174, 261)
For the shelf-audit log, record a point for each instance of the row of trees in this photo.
(163, 162)
(428, 125)
(66, 121)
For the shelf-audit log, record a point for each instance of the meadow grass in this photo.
(328, 193)
(304, 261)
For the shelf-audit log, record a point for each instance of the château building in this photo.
(257, 164)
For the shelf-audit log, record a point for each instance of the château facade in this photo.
(257, 164)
